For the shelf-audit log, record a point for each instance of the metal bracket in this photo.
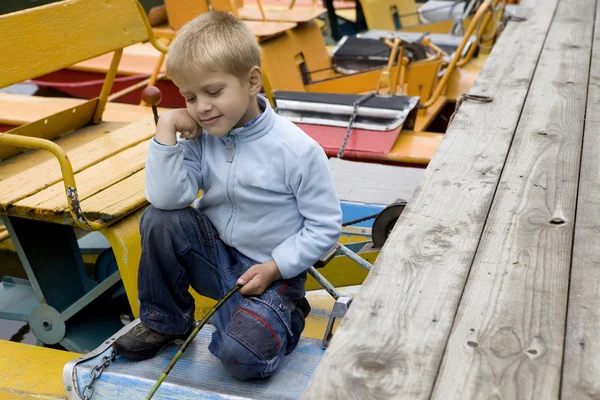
(341, 306)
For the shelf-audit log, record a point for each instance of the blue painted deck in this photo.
(199, 375)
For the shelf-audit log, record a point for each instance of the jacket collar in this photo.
(258, 128)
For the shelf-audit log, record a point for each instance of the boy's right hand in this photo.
(174, 121)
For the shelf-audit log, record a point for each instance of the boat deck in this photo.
(488, 287)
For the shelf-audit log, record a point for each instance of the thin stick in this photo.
(189, 340)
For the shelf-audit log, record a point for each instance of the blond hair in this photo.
(213, 41)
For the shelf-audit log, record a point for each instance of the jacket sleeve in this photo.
(314, 188)
(173, 174)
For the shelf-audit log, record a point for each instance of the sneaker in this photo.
(303, 307)
(142, 343)
(298, 322)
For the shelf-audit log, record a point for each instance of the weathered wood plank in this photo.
(118, 200)
(34, 178)
(29, 159)
(17, 109)
(89, 182)
(391, 342)
(31, 49)
(507, 338)
(581, 366)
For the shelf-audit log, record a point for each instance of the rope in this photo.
(467, 96)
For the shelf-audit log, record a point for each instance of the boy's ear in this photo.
(255, 80)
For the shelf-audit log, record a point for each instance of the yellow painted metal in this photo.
(280, 55)
(462, 79)
(64, 33)
(415, 148)
(52, 126)
(425, 116)
(421, 78)
(66, 169)
(355, 83)
(434, 27)
(180, 12)
(385, 74)
(32, 372)
(481, 12)
(379, 14)
(107, 86)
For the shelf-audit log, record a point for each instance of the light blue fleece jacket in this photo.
(267, 189)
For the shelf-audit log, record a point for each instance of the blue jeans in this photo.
(181, 248)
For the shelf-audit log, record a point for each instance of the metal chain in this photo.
(355, 105)
(88, 390)
(359, 220)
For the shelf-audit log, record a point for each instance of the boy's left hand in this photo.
(258, 278)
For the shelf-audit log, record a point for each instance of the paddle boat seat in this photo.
(367, 51)
(383, 130)
(197, 375)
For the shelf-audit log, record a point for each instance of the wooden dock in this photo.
(489, 285)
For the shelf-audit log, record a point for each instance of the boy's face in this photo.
(219, 101)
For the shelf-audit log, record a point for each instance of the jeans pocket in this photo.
(258, 328)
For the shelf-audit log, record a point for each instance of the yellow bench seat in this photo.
(108, 161)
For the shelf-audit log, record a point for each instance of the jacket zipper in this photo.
(229, 152)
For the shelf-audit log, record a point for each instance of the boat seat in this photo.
(17, 109)
(197, 374)
(108, 161)
(379, 113)
(366, 51)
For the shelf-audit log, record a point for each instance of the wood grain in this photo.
(119, 200)
(390, 344)
(27, 160)
(89, 182)
(17, 109)
(507, 338)
(35, 177)
(581, 365)
(69, 34)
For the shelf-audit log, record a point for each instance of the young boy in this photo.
(268, 211)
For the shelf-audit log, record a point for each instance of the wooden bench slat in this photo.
(69, 34)
(16, 109)
(40, 176)
(140, 58)
(70, 142)
(581, 366)
(89, 182)
(118, 200)
(507, 338)
(390, 344)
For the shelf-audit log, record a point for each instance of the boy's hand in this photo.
(258, 278)
(174, 121)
